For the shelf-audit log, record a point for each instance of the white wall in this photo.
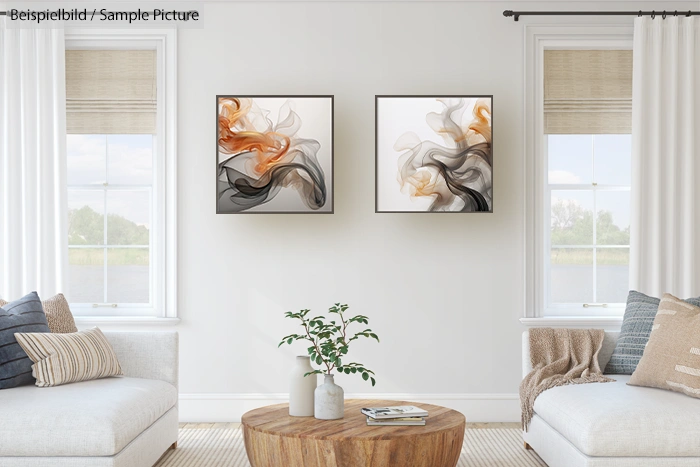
(444, 292)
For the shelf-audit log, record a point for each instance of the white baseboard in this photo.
(229, 407)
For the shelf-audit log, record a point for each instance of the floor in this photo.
(222, 445)
(232, 425)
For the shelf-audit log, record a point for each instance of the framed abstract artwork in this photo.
(434, 154)
(274, 154)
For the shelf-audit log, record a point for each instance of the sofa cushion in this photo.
(58, 313)
(614, 419)
(90, 418)
(634, 335)
(23, 315)
(69, 357)
(672, 356)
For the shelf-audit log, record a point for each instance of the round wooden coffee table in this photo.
(274, 439)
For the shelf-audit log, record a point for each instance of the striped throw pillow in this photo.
(58, 313)
(23, 315)
(671, 359)
(68, 358)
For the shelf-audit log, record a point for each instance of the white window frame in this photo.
(163, 309)
(539, 38)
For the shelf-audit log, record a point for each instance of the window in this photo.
(120, 173)
(577, 172)
(587, 151)
(110, 219)
(588, 195)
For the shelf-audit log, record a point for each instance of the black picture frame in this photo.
(377, 97)
(277, 96)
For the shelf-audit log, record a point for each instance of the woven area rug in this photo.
(223, 447)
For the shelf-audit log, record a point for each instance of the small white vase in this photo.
(301, 389)
(329, 400)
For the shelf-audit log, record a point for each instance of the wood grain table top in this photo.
(275, 419)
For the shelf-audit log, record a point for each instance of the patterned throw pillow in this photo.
(57, 312)
(68, 358)
(672, 357)
(634, 335)
(23, 315)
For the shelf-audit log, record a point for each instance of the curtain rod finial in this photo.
(509, 13)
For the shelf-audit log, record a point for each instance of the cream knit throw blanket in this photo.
(560, 357)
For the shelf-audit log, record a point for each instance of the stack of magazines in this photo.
(403, 415)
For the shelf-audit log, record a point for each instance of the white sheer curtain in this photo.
(33, 233)
(665, 224)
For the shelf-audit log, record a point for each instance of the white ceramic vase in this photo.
(329, 400)
(301, 389)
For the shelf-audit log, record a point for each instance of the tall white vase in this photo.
(301, 389)
(329, 400)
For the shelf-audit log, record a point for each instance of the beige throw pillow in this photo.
(57, 312)
(68, 358)
(671, 359)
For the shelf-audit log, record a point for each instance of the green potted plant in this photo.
(330, 341)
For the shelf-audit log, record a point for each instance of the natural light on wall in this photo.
(587, 145)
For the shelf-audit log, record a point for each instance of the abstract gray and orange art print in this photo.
(434, 154)
(274, 154)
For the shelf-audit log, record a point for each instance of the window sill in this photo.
(85, 321)
(609, 323)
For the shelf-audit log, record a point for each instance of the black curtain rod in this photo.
(517, 14)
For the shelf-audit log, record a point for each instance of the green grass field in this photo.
(584, 256)
(115, 256)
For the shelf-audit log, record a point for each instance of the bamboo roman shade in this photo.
(587, 91)
(111, 91)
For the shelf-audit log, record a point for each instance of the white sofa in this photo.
(613, 424)
(127, 421)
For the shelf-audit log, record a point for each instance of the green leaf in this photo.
(319, 360)
(373, 381)
(346, 370)
(354, 370)
(365, 376)
(337, 361)
(289, 341)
